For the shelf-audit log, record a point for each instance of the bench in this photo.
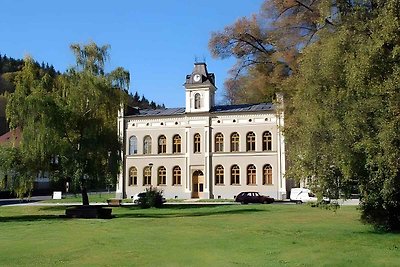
(114, 202)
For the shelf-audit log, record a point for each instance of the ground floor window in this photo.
(267, 174)
(176, 180)
(251, 175)
(147, 176)
(132, 176)
(235, 175)
(219, 175)
(162, 176)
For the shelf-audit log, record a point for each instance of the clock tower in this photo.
(200, 89)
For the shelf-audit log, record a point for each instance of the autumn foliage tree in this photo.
(267, 45)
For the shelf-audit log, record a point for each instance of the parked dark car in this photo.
(253, 197)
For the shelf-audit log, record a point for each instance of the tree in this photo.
(267, 44)
(68, 122)
(338, 65)
(343, 126)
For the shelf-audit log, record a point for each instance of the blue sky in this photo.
(156, 40)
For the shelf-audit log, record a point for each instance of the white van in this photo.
(302, 195)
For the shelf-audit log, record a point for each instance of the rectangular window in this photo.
(162, 145)
(267, 175)
(176, 176)
(235, 142)
(132, 180)
(219, 175)
(219, 142)
(162, 176)
(251, 141)
(235, 175)
(251, 175)
(177, 144)
(267, 141)
(147, 176)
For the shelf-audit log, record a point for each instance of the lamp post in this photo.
(150, 167)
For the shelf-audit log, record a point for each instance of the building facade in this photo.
(203, 150)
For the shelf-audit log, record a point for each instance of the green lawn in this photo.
(192, 235)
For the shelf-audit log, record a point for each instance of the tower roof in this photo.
(200, 75)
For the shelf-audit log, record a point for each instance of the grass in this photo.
(193, 235)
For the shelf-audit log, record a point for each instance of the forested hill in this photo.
(9, 68)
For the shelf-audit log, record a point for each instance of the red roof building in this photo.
(13, 136)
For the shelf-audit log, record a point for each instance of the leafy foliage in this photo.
(343, 126)
(68, 121)
(9, 68)
(153, 198)
(338, 63)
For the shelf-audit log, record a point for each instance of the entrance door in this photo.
(197, 183)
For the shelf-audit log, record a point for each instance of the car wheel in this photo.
(298, 202)
(265, 202)
(244, 203)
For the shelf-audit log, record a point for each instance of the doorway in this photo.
(197, 183)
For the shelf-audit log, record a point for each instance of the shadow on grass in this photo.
(134, 212)
(30, 218)
(184, 210)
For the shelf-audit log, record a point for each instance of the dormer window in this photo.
(197, 101)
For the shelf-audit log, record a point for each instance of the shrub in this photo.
(153, 198)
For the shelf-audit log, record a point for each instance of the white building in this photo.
(203, 150)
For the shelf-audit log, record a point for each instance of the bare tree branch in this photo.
(305, 6)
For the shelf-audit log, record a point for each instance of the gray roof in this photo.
(206, 77)
(216, 109)
(243, 108)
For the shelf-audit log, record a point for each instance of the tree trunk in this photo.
(85, 197)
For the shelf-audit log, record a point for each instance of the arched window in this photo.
(251, 175)
(250, 141)
(132, 176)
(197, 101)
(235, 175)
(267, 174)
(235, 142)
(197, 144)
(177, 147)
(162, 144)
(176, 174)
(147, 175)
(267, 141)
(219, 142)
(147, 145)
(219, 175)
(132, 145)
(162, 176)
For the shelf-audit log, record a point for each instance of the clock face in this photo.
(197, 78)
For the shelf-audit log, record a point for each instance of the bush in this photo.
(153, 198)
